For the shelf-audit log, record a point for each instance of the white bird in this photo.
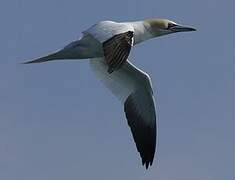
(107, 44)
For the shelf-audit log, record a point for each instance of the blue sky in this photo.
(58, 122)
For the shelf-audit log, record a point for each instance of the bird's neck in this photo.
(141, 31)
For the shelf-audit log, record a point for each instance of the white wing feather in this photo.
(123, 81)
(104, 30)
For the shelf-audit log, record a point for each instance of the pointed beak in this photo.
(180, 28)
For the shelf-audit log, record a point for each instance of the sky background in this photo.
(58, 122)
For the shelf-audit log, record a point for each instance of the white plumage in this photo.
(104, 30)
(108, 45)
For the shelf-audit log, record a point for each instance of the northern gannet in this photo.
(107, 44)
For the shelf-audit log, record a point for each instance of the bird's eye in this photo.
(170, 25)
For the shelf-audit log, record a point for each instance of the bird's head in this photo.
(160, 27)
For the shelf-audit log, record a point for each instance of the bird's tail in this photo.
(71, 51)
(53, 56)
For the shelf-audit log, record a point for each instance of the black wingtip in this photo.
(147, 164)
(143, 134)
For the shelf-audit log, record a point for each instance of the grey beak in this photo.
(180, 28)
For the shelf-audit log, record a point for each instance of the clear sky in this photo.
(58, 122)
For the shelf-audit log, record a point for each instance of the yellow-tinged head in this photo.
(159, 27)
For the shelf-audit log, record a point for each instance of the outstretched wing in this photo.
(133, 88)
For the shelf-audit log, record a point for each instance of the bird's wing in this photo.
(133, 88)
(105, 30)
(116, 39)
(117, 49)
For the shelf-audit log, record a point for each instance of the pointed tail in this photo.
(50, 57)
(74, 50)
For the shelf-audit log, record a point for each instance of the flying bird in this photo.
(107, 44)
